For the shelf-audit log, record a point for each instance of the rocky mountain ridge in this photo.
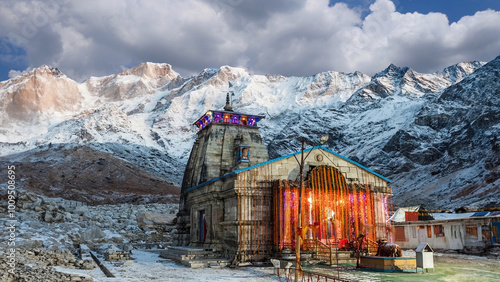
(433, 134)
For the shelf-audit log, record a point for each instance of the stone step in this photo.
(216, 264)
(188, 253)
(194, 257)
(189, 250)
(179, 257)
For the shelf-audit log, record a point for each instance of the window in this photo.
(471, 231)
(414, 231)
(439, 230)
(243, 154)
(400, 233)
(429, 231)
(486, 233)
(217, 118)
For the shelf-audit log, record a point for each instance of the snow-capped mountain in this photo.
(434, 134)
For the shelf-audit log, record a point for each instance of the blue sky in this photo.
(454, 10)
(288, 37)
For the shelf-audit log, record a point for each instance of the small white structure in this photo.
(425, 256)
(447, 231)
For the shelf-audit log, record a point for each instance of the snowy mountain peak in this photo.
(43, 71)
(151, 70)
(479, 88)
(392, 71)
(46, 70)
(140, 80)
(457, 72)
(42, 92)
(226, 74)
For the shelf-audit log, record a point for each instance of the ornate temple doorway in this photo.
(333, 210)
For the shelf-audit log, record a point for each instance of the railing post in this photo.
(331, 256)
(317, 254)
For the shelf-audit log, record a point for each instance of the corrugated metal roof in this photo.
(480, 213)
(445, 216)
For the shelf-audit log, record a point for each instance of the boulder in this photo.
(91, 233)
(153, 220)
(53, 216)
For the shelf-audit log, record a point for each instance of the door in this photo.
(203, 226)
(496, 232)
(422, 234)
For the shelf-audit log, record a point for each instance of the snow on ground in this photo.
(148, 266)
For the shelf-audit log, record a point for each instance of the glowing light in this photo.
(341, 211)
(224, 117)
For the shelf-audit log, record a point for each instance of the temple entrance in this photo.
(333, 211)
(203, 226)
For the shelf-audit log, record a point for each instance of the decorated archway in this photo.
(333, 211)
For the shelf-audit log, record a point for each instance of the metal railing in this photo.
(309, 276)
(371, 247)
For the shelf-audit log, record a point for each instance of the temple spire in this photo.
(228, 107)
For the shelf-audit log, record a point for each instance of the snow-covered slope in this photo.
(401, 123)
(452, 146)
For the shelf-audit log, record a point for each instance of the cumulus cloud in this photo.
(85, 38)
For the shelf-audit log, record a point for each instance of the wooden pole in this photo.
(299, 217)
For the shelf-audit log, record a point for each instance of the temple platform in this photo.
(195, 257)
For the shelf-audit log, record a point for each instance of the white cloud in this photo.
(85, 38)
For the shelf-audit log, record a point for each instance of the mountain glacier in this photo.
(435, 135)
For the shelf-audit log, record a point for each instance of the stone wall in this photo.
(214, 152)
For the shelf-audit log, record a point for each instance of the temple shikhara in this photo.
(236, 201)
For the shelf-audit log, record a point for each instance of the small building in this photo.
(447, 231)
(238, 202)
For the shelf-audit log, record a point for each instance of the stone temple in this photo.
(238, 203)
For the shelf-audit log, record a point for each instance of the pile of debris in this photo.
(38, 265)
(68, 223)
(115, 254)
(57, 257)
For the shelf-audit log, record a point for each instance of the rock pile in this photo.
(114, 254)
(48, 229)
(45, 222)
(56, 257)
(38, 265)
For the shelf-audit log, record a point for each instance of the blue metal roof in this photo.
(285, 157)
(480, 213)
